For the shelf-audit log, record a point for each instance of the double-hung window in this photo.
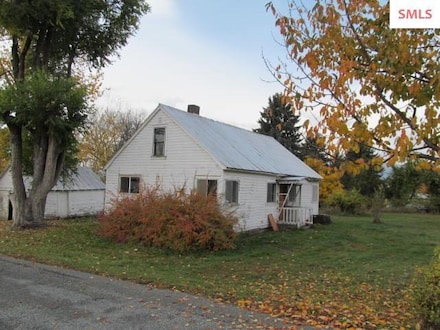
(159, 142)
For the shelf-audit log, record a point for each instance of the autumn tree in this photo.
(49, 42)
(110, 130)
(315, 154)
(365, 179)
(366, 84)
(279, 121)
(331, 177)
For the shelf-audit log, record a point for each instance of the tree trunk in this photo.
(378, 204)
(37, 202)
(376, 215)
(48, 162)
(19, 195)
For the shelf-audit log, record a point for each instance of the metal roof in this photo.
(83, 179)
(240, 149)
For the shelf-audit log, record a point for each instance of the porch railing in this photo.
(297, 216)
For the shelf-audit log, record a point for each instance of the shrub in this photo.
(348, 202)
(176, 220)
(426, 294)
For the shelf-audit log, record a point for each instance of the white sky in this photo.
(208, 53)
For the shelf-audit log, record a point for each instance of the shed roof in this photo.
(83, 179)
(240, 149)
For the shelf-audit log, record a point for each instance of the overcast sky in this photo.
(208, 53)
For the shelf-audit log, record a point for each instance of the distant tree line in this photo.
(353, 178)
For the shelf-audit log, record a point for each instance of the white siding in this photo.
(83, 203)
(252, 207)
(184, 159)
(307, 197)
(4, 204)
(5, 191)
(56, 205)
(59, 203)
(64, 204)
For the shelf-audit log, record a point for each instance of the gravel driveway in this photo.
(37, 296)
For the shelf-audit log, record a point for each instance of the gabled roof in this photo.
(239, 149)
(83, 179)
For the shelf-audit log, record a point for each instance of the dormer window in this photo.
(159, 142)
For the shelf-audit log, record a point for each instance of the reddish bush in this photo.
(177, 221)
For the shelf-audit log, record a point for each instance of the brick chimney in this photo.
(195, 109)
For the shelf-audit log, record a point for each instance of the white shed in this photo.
(81, 195)
(250, 172)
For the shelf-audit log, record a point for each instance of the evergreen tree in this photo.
(277, 120)
(311, 149)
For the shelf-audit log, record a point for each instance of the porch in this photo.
(296, 216)
(291, 210)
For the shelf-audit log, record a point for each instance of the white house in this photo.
(81, 195)
(248, 171)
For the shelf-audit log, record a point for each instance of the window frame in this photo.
(207, 186)
(157, 151)
(271, 192)
(232, 191)
(131, 186)
(315, 193)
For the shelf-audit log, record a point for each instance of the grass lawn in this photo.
(352, 273)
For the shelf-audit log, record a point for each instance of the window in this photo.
(206, 187)
(159, 142)
(129, 184)
(315, 193)
(271, 192)
(231, 193)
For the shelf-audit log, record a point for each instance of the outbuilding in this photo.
(80, 195)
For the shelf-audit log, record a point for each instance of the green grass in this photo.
(350, 273)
